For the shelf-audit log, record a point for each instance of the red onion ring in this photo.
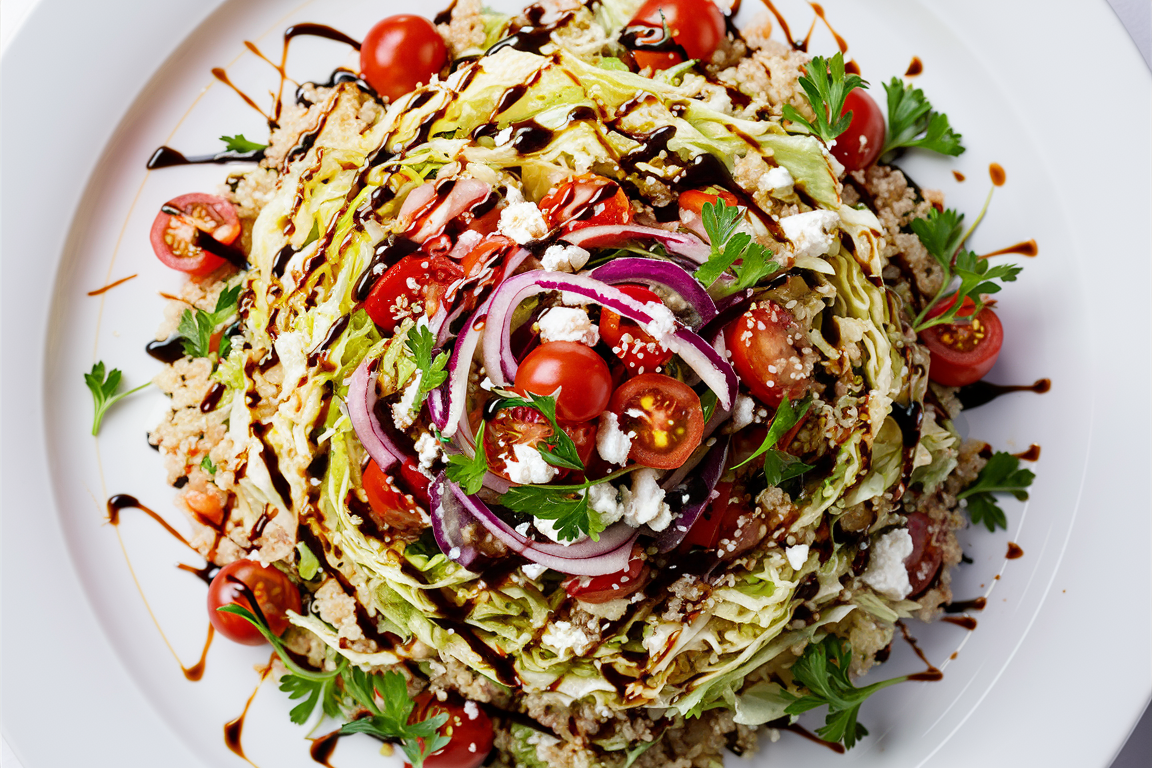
(429, 218)
(450, 519)
(658, 272)
(606, 236)
(361, 410)
(700, 486)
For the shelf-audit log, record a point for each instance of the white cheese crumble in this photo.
(428, 449)
(663, 322)
(797, 556)
(568, 324)
(563, 636)
(778, 181)
(743, 413)
(528, 466)
(810, 233)
(550, 529)
(603, 498)
(533, 570)
(644, 502)
(402, 412)
(612, 442)
(564, 258)
(886, 572)
(523, 222)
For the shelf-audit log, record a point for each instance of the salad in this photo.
(577, 387)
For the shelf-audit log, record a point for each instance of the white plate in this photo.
(1056, 673)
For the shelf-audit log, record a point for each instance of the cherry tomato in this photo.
(584, 438)
(391, 507)
(666, 416)
(651, 34)
(770, 353)
(415, 285)
(730, 524)
(601, 589)
(638, 351)
(586, 201)
(401, 53)
(963, 352)
(468, 727)
(273, 590)
(694, 199)
(860, 145)
(697, 25)
(507, 429)
(173, 237)
(416, 481)
(582, 376)
(483, 253)
(924, 562)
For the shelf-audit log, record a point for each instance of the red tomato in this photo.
(652, 60)
(273, 591)
(586, 201)
(581, 375)
(963, 352)
(484, 251)
(697, 25)
(666, 416)
(391, 507)
(401, 53)
(601, 589)
(765, 346)
(924, 562)
(416, 481)
(507, 429)
(694, 199)
(468, 727)
(729, 525)
(414, 285)
(173, 237)
(860, 145)
(584, 438)
(634, 347)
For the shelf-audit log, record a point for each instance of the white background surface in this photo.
(11, 10)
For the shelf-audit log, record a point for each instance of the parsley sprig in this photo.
(197, 326)
(913, 123)
(823, 670)
(749, 261)
(1002, 474)
(567, 505)
(103, 390)
(826, 85)
(943, 236)
(468, 471)
(238, 143)
(778, 465)
(558, 449)
(420, 342)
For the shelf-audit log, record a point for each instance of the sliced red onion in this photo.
(699, 489)
(662, 273)
(450, 519)
(433, 217)
(361, 409)
(459, 366)
(608, 236)
(586, 558)
(501, 364)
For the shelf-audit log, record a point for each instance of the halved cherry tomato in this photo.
(400, 53)
(580, 374)
(173, 237)
(468, 727)
(273, 591)
(730, 525)
(586, 201)
(694, 199)
(860, 145)
(584, 438)
(963, 352)
(413, 286)
(391, 507)
(634, 347)
(924, 562)
(484, 251)
(601, 589)
(666, 416)
(507, 429)
(416, 481)
(697, 25)
(770, 353)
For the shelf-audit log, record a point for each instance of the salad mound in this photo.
(582, 386)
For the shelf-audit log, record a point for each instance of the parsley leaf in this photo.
(390, 720)
(238, 143)
(468, 473)
(558, 450)
(749, 261)
(207, 465)
(566, 504)
(197, 326)
(778, 465)
(708, 402)
(826, 87)
(913, 123)
(104, 391)
(1002, 474)
(432, 374)
(823, 670)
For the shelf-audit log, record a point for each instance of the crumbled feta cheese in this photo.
(402, 412)
(568, 324)
(533, 570)
(644, 502)
(603, 498)
(778, 181)
(564, 258)
(471, 711)
(663, 322)
(523, 528)
(528, 466)
(886, 572)
(563, 636)
(612, 442)
(549, 528)
(428, 449)
(523, 222)
(797, 556)
(743, 413)
(810, 233)
(454, 553)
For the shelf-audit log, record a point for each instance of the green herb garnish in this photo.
(778, 465)
(1002, 474)
(567, 505)
(558, 449)
(913, 123)
(104, 391)
(468, 473)
(207, 465)
(749, 261)
(238, 143)
(432, 370)
(197, 326)
(827, 86)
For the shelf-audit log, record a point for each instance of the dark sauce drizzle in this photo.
(195, 672)
(929, 675)
(916, 67)
(124, 501)
(975, 604)
(1027, 248)
(996, 172)
(110, 286)
(323, 747)
(1031, 454)
(983, 392)
(212, 397)
(234, 729)
(168, 351)
(1015, 551)
(967, 622)
(166, 157)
